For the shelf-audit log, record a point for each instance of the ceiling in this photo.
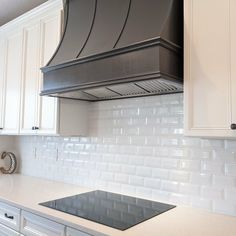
(10, 9)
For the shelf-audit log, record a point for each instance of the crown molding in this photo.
(49, 6)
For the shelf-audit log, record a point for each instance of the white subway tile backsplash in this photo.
(212, 193)
(190, 165)
(137, 140)
(128, 169)
(160, 173)
(216, 168)
(170, 163)
(160, 195)
(107, 176)
(121, 178)
(143, 171)
(170, 186)
(230, 169)
(225, 207)
(230, 194)
(201, 202)
(143, 192)
(145, 151)
(189, 189)
(152, 183)
(230, 145)
(224, 181)
(178, 198)
(201, 179)
(136, 180)
(152, 162)
(180, 176)
(136, 147)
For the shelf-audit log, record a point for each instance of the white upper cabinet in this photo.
(233, 58)
(2, 80)
(210, 58)
(41, 37)
(30, 78)
(13, 75)
(48, 106)
(27, 44)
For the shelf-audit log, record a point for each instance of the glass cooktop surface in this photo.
(110, 209)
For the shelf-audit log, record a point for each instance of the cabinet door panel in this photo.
(5, 231)
(233, 57)
(50, 28)
(33, 225)
(74, 232)
(30, 78)
(2, 80)
(7, 210)
(207, 67)
(13, 83)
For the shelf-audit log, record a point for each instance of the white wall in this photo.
(137, 147)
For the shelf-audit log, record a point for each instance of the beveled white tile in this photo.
(137, 147)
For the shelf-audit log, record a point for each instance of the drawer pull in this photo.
(9, 217)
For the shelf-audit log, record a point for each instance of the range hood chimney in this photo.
(117, 48)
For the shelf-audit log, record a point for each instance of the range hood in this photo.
(117, 48)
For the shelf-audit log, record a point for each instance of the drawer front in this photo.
(5, 231)
(33, 225)
(10, 216)
(74, 232)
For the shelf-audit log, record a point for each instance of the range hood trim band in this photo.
(115, 98)
(125, 80)
(137, 46)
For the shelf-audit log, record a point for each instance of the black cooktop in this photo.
(110, 209)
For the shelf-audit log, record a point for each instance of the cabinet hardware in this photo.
(9, 217)
(233, 126)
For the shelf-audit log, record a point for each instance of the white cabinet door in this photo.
(74, 232)
(32, 225)
(207, 68)
(29, 105)
(2, 80)
(10, 216)
(5, 231)
(233, 58)
(48, 115)
(13, 83)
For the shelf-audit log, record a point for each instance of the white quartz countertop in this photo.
(27, 192)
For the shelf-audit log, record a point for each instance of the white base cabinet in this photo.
(10, 216)
(5, 231)
(74, 232)
(32, 225)
(17, 222)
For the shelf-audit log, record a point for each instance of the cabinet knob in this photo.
(35, 128)
(233, 126)
(1, 128)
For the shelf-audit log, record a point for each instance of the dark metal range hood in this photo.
(117, 48)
